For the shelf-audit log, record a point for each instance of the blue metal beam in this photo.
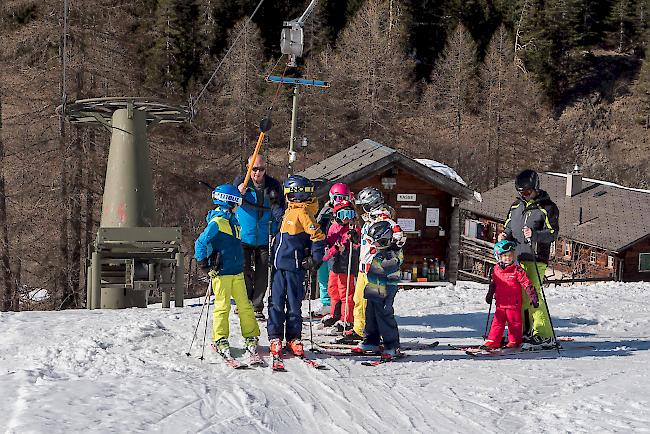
(301, 81)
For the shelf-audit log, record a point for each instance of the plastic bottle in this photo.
(414, 272)
(436, 270)
(443, 270)
(425, 268)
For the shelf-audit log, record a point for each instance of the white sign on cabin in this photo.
(406, 197)
(407, 225)
(433, 217)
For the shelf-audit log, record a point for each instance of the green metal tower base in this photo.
(131, 256)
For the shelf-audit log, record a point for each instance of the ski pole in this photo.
(196, 329)
(541, 291)
(347, 277)
(310, 278)
(485, 335)
(207, 316)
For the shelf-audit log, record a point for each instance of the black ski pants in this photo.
(256, 266)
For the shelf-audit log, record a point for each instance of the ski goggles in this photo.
(339, 197)
(225, 197)
(299, 189)
(346, 214)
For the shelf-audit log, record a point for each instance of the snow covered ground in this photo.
(126, 371)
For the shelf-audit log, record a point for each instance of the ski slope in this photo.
(126, 371)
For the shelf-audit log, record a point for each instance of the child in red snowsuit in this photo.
(508, 280)
(343, 234)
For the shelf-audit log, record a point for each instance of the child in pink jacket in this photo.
(508, 279)
(342, 241)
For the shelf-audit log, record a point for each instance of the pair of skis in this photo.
(254, 358)
(277, 363)
(475, 351)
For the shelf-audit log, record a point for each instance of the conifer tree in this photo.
(451, 95)
(370, 76)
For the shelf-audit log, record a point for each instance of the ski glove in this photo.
(309, 263)
(210, 263)
(490, 294)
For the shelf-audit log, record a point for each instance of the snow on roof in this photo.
(441, 168)
(607, 183)
(447, 171)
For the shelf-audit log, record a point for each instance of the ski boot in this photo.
(342, 326)
(295, 346)
(275, 347)
(388, 355)
(365, 347)
(222, 346)
(254, 357)
(490, 345)
(349, 337)
(328, 321)
(259, 315)
(251, 343)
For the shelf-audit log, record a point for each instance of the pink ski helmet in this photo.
(340, 192)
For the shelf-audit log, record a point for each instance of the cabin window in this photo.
(592, 257)
(610, 261)
(567, 248)
(644, 261)
(553, 249)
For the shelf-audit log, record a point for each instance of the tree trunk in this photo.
(4, 232)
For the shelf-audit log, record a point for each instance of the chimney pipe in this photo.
(580, 216)
(574, 182)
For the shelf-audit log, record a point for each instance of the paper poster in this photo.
(433, 217)
(407, 225)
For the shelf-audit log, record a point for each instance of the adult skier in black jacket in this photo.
(533, 222)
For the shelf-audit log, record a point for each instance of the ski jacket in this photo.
(542, 216)
(365, 254)
(221, 235)
(338, 233)
(298, 232)
(383, 273)
(256, 212)
(507, 283)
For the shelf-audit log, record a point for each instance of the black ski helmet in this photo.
(298, 188)
(369, 198)
(527, 180)
(381, 233)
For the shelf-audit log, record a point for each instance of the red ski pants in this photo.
(336, 288)
(504, 315)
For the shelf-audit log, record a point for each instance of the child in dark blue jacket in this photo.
(299, 232)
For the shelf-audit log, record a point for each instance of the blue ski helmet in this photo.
(226, 195)
(502, 247)
(298, 188)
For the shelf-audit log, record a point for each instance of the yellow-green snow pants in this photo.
(537, 317)
(223, 288)
(360, 304)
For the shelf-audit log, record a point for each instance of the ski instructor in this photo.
(533, 223)
(263, 206)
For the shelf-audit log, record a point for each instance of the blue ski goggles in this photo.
(346, 214)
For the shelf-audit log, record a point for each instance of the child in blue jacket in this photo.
(218, 252)
(299, 232)
(383, 276)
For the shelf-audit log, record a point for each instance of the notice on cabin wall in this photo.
(433, 217)
(406, 197)
(407, 225)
